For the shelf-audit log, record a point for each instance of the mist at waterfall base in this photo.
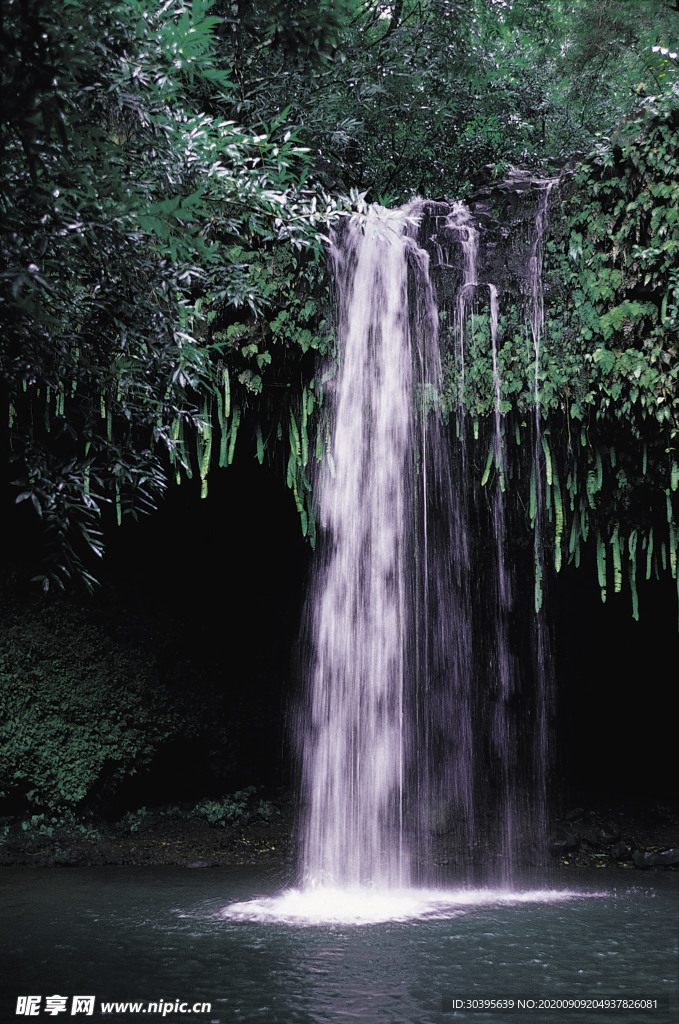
(418, 717)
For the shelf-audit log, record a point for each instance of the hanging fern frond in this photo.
(233, 434)
(632, 545)
(601, 564)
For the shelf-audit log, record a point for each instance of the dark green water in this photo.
(161, 935)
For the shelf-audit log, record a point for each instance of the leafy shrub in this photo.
(50, 825)
(78, 712)
(238, 808)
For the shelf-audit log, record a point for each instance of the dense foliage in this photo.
(169, 170)
(608, 362)
(134, 214)
(106, 708)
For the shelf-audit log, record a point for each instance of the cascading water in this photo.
(390, 662)
(355, 749)
(396, 745)
(411, 730)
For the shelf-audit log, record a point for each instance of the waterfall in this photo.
(355, 753)
(410, 729)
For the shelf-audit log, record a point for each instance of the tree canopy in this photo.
(170, 171)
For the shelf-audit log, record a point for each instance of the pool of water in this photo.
(173, 939)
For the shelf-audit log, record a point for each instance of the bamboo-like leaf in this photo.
(649, 554)
(489, 463)
(591, 488)
(548, 459)
(227, 394)
(224, 449)
(574, 537)
(295, 490)
(601, 564)
(295, 443)
(182, 453)
(632, 543)
(207, 448)
(260, 443)
(304, 438)
(233, 434)
(572, 485)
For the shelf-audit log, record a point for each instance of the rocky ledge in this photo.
(603, 837)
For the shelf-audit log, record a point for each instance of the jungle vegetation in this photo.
(172, 168)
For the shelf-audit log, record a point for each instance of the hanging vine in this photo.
(609, 363)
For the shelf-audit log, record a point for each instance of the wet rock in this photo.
(64, 857)
(562, 844)
(608, 834)
(621, 851)
(591, 836)
(653, 858)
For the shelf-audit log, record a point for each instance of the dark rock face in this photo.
(652, 859)
(588, 838)
(504, 215)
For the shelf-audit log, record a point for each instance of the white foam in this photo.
(364, 906)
